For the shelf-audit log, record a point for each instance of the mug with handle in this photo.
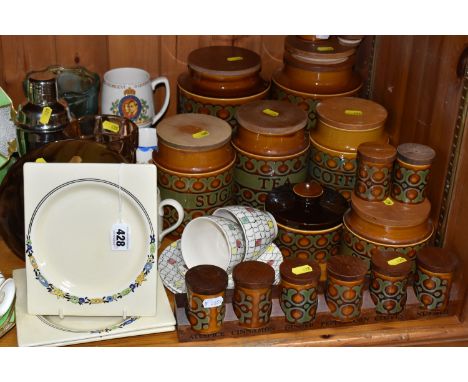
(128, 92)
(180, 216)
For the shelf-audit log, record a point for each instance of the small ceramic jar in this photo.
(343, 124)
(411, 172)
(345, 282)
(369, 227)
(252, 303)
(206, 287)
(219, 80)
(310, 221)
(389, 278)
(433, 279)
(374, 172)
(298, 288)
(272, 148)
(315, 69)
(195, 164)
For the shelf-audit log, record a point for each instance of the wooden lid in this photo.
(376, 152)
(253, 275)
(415, 153)
(437, 260)
(347, 268)
(194, 132)
(271, 117)
(206, 279)
(391, 263)
(351, 113)
(309, 274)
(390, 213)
(322, 49)
(224, 61)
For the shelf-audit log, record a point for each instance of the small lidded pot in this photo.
(252, 303)
(298, 288)
(411, 172)
(309, 219)
(195, 163)
(389, 278)
(345, 281)
(272, 148)
(220, 79)
(343, 124)
(433, 279)
(374, 173)
(206, 287)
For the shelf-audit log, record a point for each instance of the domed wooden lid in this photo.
(346, 268)
(391, 263)
(194, 132)
(351, 113)
(271, 117)
(224, 61)
(376, 152)
(329, 50)
(206, 279)
(437, 260)
(253, 275)
(415, 153)
(300, 271)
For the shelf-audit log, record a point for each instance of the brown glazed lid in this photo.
(308, 277)
(194, 132)
(391, 263)
(351, 113)
(306, 206)
(415, 153)
(253, 275)
(376, 152)
(346, 268)
(437, 260)
(317, 48)
(206, 279)
(224, 61)
(271, 117)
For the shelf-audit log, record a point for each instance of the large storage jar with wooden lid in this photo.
(388, 226)
(272, 148)
(343, 124)
(315, 69)
(220, 79)
(195, 164)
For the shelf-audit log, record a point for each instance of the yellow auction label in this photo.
(325, 49)
(270, 112)
(388, 202)
(201, 134)
(302, 269)
(353, 112)
(236, 58)
(111, 126)
(45, 115)
(396, 261)
(41, 160)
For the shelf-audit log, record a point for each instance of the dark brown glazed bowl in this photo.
(11, 189)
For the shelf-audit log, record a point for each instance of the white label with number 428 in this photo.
(120, 237)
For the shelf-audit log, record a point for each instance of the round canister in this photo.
(370, 227)
(220, 79)
(314, 70)
(343, 124)
(411, 172)
(389, 278)
(298, 288)
(374, 172)
(309, 219)
(195, 163)
(433, 279)
(206, 287)
(272, 148)
(345, 282)
(252, 303)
